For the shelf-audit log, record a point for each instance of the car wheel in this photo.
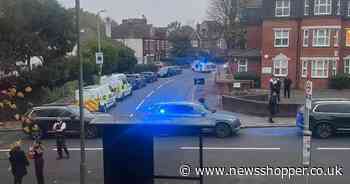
(324, 130)
(223, 130)
(91, 132)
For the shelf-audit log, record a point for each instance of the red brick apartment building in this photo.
(303, 38)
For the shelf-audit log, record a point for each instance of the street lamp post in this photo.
(81, 105)
(99, 42)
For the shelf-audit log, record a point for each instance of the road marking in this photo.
(140, 104)
(5, 150)
(229, 148)
(150, 94)
(340, 149)
(78, 149)
(131, 115)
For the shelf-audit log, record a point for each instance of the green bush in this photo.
(145, 67)
(340, 81)
(58, 94)
(248, 76)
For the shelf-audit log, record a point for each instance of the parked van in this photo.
(115, 84)
(125, 88)
(98, 93)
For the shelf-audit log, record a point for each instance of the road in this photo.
(276, 147)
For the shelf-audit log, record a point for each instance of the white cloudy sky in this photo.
(158, 12)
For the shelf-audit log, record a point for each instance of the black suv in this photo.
(46, 116)
(327, 117)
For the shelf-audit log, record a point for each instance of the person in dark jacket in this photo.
(273, 106)
(37, 152)
(287, 84)
(19, 163)
(278, 89)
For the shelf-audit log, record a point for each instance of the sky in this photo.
(157, 12)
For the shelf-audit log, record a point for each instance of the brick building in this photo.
(303, 38)
(148, 42)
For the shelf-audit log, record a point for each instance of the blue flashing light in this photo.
(162, 111)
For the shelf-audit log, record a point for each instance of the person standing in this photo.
(287, 84)
(273, 106)
(59, 127)
(19, 162)
(272, 85)
(278, 89)
(36, 152)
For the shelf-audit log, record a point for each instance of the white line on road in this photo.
(78, 149)
(340, 149)
(150, 94)
(140, 104)
(229, 148)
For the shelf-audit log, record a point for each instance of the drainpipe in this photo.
(299, 47)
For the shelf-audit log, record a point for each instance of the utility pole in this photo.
(81, 100)
(99, 45)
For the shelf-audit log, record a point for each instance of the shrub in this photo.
(248, 76)
(59, 94)
(340, 81)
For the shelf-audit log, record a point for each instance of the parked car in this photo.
(45, 117)
(140, 80)
(222, 124)
(164, 72)
(327, 117)
(150, 76)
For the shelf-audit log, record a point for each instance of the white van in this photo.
(125, 88)
(199, 66)
(115, 84)
(100, 93)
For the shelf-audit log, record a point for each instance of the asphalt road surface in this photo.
(274, 147)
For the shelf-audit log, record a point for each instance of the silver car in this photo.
(223, 124)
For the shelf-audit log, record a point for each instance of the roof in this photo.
(245, 53)
(160, 32)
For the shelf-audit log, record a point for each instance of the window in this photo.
(333, 67)
(323, 7)
(321, 38)
(243, 65)
(282, 8)
(306, 38)
(280, 68)
(306, 7)
(347, 66)
(336, 38)
(281, 38)
(319, 69)
(304, 68)
(347, 41)
(337, 10)
(333, 108)
(348, 8)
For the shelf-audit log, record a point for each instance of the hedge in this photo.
(340, 81)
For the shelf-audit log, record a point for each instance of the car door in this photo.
(342, 117)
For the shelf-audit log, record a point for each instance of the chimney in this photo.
(108, 27)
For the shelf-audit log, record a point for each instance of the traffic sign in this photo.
(306, 150)
(308, 88)
(99, 58)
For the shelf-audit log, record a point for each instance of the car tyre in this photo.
(324, 130)
(91, 132)
(223, 130)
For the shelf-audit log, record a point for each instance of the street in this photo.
(254, 147)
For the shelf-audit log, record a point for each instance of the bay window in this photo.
(243, 65)
(321, 38)
(319, 69)
(347, 66)
(306, 38)
(304, 68)
(336, 38)
(306, 7)
(280, 68)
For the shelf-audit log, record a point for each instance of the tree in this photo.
(34, 28)
(227, 13)
(180, 39)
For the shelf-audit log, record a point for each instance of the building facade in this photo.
(148, 42)
(304, 39)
